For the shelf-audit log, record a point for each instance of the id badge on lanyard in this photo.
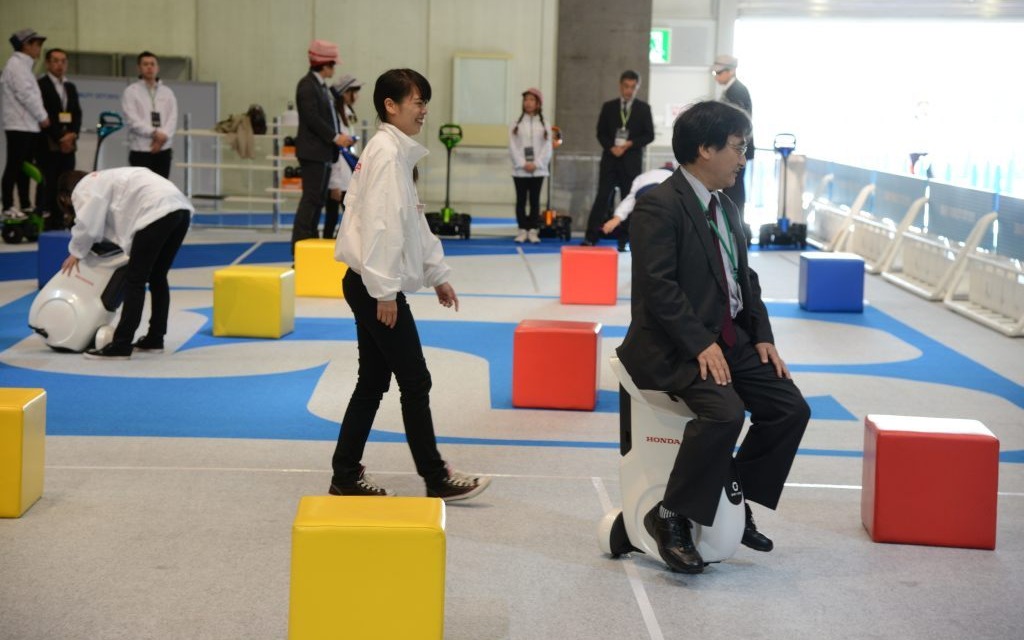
(621, 136)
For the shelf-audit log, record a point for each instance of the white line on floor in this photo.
(646, 610)
(521, 476)
(246, 253)
(529, 269)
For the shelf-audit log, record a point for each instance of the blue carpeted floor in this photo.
(272, 405)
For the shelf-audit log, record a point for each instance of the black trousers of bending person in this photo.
(153, 251)
(528, 188)
(315, 176)
(383, 352)
(159, 162)
(21, 147)
(779, 415)
(614, 172)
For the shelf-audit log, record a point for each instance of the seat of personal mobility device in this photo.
(74, 312)
(651, 426)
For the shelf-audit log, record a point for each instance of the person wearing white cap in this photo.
(346, 92)
(529, 144)
(736, 94)
(24, 117)
(151, 118)
(318, 139)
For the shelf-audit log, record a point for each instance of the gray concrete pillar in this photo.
(597, 41)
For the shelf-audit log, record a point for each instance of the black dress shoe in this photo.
(675, 544)
(587, 243)
(752, 537)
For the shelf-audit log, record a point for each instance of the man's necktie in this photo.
(728, 330)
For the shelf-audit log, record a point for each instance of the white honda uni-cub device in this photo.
(75, 312)
(651, 428)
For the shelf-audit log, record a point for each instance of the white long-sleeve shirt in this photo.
(115, 204)
(645, 179)
(531, 133)
(384, 236)
(22, 100)
(138, 103)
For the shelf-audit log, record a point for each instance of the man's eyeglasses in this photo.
(719, 71)
(739, 148)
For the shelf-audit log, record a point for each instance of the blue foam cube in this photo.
(831, 282)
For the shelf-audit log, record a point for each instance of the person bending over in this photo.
(145, 215)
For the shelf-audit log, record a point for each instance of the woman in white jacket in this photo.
(389, 249)
(529, 144)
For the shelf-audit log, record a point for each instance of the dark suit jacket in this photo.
(51, 101)
(679, 291)
(640, 126)
(738, 96)
(315, 140)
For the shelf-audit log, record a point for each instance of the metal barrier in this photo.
(966, 249)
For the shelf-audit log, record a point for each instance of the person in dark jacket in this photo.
(59, 140)
(318, 139)
(624, 128)
(737, 95)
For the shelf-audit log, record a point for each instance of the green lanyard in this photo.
(624, 115)
(152, 97)
(730, 248)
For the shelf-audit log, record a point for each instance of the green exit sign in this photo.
(661, 46)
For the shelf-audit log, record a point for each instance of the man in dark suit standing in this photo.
(60, 140)
(737, 95)
(701, 332)
(624, 128)
(318, 139)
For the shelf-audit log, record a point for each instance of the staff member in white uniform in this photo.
(151, 111)
(529, 145)
(643, 182)
(388, 246)
(145, 215)
(24, 116)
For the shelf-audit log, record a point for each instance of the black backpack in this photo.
(258, 119)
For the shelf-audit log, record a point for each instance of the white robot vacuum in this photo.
(652, 425)
(75, 312)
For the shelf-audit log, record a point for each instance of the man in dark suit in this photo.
(318, 139)
(737, 95)
(624, 128)
(700, 332)
(59, 141)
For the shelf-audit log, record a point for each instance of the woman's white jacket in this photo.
(384, 235)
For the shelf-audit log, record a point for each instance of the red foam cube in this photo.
(590, 275)
(555, 364)
(931, 481)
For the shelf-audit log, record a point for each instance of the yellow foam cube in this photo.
(253, 301)
(367, 567)
(22, 449)
(317, 273)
